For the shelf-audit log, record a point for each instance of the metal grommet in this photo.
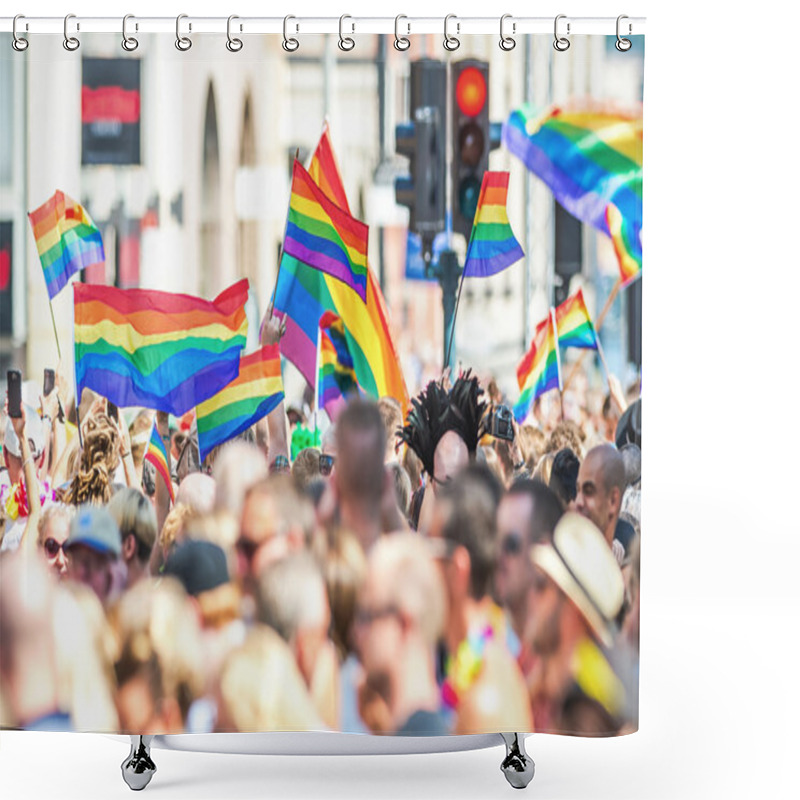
(129, 43)
(233, 44)
(183, 43)
(507, 42)
(561, 43)
(451, 42)
(19, 43)
(71, 43)
(401, 43)
(346, 43)
(289, 44)
(623, 45)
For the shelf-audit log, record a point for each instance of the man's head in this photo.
(292, 600)
(527, 515)
(601, 483)
(361, 441)
(564, 476)
(197, 492)
(159, 669)
(464, 520)
(12, 450)
(94, 548)
(401, 607)
(276, 521)
(450, 457)
(136, 519)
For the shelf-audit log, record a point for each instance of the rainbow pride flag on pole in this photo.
(244, 401)
(492, 244)
(157, 455)
(540, 368)
(337, 376)
(574, 325)
(320, 234)
(591, 158)
(140, 347)
(303, 294)
(66, 239)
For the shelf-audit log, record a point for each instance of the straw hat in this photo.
(582, 565)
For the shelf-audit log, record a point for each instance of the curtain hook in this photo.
(507, 42)
(561, 43)
(183, 43)
(129, 43)
(401, 43)
(290, 44)
(623, 45)
(19, 43)
(71, 43)
(233, 44)
(451, 42)
(346, 43)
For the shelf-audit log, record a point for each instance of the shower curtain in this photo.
(323, 364)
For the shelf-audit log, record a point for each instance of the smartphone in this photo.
(14, 377)
(113, 411)
(49, 381)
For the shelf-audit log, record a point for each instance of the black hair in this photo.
(564, 475)
(547, 508)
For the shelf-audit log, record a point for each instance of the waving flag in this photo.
(492, 245)
(591, 158)
(304, 294)
(157, 455)
(66, 239)
(540, 368)
(320, 234)
(574, 325)
(337, 376)
(244, 401)
(140, 347)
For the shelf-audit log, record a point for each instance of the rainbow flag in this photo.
(590, 158)
(540, 368)
(157, 455)
(66, 239)
(492, 245)
(337, 376)
(626, 246)
(320, 234)
(303, 294)
(140, 347)
(244, 401)
(574, 326)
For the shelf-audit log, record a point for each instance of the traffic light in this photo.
(422, 141)
(473, 137)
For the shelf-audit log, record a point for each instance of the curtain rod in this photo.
(406, 26)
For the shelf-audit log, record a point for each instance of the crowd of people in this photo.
(413, 575)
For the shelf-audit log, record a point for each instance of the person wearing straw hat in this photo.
(578, 592)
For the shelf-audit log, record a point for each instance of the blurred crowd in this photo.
(417, 574)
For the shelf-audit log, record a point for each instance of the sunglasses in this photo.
(51, 547)
(326, 463)
(511, 545)
(365, 617)
(247, 549)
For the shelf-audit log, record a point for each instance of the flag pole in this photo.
(55, 331)
(316, 384)
(558, 358)
(598, 324)
(453, 326)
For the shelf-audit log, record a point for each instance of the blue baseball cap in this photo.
(94, 527)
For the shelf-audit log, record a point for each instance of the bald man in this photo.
(601, 484)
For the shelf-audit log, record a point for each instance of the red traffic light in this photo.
(471, 91)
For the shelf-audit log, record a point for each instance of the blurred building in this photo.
(190, 182)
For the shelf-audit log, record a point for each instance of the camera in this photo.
(501, 423)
